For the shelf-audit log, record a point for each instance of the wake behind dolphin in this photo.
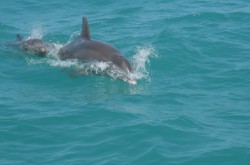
(85, 49)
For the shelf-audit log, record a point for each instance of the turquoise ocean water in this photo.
(191, 105)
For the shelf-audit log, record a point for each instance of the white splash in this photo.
(34, 61)
(62, 64)
(37, 32)
(140, 63)
(53, 50)
(141, 60)
(73, 36)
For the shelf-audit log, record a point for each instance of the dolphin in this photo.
(85, 49)
(34, 46)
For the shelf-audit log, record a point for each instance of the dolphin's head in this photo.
(36, 46)
(125, 66)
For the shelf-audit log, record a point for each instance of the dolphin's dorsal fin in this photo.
(19, 37)
(85, 29)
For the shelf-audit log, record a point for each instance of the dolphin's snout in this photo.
(133, 82)
(43, 50)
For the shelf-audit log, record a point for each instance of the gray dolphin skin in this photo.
(86, 49)
(34, 45)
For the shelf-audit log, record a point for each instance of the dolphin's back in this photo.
(89, 50)
(83, 48)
